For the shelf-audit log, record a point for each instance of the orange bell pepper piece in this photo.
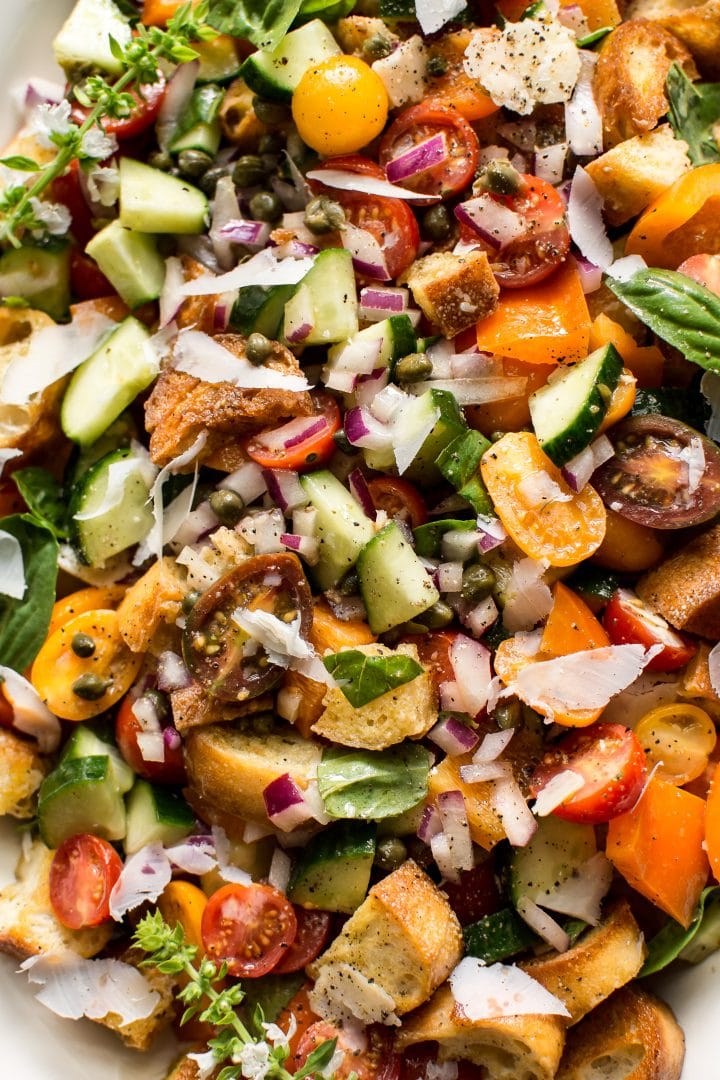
(645, 362)
(571, 625)
(546, 324)
(627, 546)
(658, 848)
(712, 826)
(683, 221)
(455, 87)
(598, 13)
(510, 414)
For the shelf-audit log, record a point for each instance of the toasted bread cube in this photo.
(403, 942)
(454, 291)
(151, 603)
(140, 1034)
(184, 1069)
(354, 31)
(697, 25)
(194, 707)
(631, 1036)
(685, 589)
(635, 172)
(21, 773)
(696, 681)
(36, 425)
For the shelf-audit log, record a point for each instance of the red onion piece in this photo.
(480, 618)
(457, 545)
(248, 232)
(285, 803)
(452, 736)
(549, 162)
(418, 159)
(493, 745)
(367, 254)
(543, 924)
(476, 391)
(456, 829)
(367, 387)
(364, 430)
(361, 492)
(248, 482)
(494, 223)
(491, 533)
(572, 16)
(579, 469)
(172, 673)
(306, 546)
(295, 249)
(430, 824)
(346, 608)
(285, 489)
(510, 806)
(177, 95)
(583, 122)
(377, 303)
(448, 577)
(471, 664)
(172, 738)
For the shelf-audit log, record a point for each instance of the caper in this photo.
(323, 215)
(248, 171)
(159, 702)
(209, 180)
(258, 348)
(478, 582)
(343, 443)
(390, 853)
(194, 163)
(161, 160)
(413, 627)
(438, 616)
(413, 368)
(189, 601)
(82, 645)
(496, 436)
(437, 223)
(499, 177)
(507, 714)
(227, 506)
(265, 206)
(377, 47)
(436, 66)
(90, 687)
(270, 112)
(270, 143)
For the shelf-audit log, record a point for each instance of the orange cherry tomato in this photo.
(421, 122)
(171, 770)
(621, 400)
(571, 625)
(249, 927)
(7, 716)
(510, 414)
(434, 652)
(399, 499)
(83, 600)
(183, 903)
(300, 444)
(339, 105)
(83, 872)
(455, 87)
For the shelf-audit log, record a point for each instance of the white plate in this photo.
(37, 1045)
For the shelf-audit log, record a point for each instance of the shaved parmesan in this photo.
(227, 869)
(561, 787)
(151, 745)
(30, 713)
(143, 877)
(12, 567)
(49, 354)
(281, 641)
(486, 993)
(72, 987)
(407, 450)
(342, 993)
(543, 924)
(433, 14)
(279, 872)
(6, 455)
(196, 855)
(404, 70)
(200, 355)
(155, 540)
(587, 228)
(509, 804)
(493, 745)
(366, 185)
(528, 597)
(538, 488)
(580, 894)
(262, 269)
(583, 122)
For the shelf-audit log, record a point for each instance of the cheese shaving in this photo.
(12, 567)
(143, 877)
(487, 993)
(262, 269)
(433, 14)
(154, 542)
(50, 354)
(30, 713)
(200, 355)
(342, 993)
(366, 185)
(6, 455)
(72, 987)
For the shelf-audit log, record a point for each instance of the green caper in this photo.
(270, 112)
(159, 702)
(436, 66)
(209, 180)
(161, 160)
(248, 171)
(323, 215)
(437, 223)
(478, 582)
(343, 444)
(270, 143)
(194, 163)
(227, 506)
(438, 616)
(189, 601)
(265, 206)
(507, 714)
(82, 645)
(413, 368)
(413, 627)
(377, 47)
(90, 687)
(390, 853)
(495, 436)
(499, 177)
(258, 348)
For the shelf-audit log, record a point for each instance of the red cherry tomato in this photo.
(421, 122)
(82, 874)
(610, 760)
(87, 281)
(629, 621)
(66, 189)
(248, 926)
(476, 894)
(148, 100)
(127, 728)
(705, 269)
(313, 930)
(416, 1060)
(368, 1057)
(285, 447)
(391, 221)
(434, 652)
(399, 499)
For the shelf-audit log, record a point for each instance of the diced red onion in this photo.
(481, 617)
(223, 310)
(377, 302)
(430, 824)
(288, 194)
(491, 533)
(361, 492)
(302, 188)
(418, 158)
(248, 482)
(145, 712)
(579, 469)
(37, 92)
(583, 122)
(364, 430)
(519, 163)
(471, 664)
(244, 231)
(492, 153)
(197, 524)
(306, 546)
(360, 357)
(254, 831)
(346, 608)
(549, 162)
(172, 673)
(295, 249)
(453, 814)
(305, 521)
(590, 275)
(300, 315)
(225, 208)
(285, 489)
(285, 803)
(280, 869)
(151, 745)
(543, 924)
(452, 736)
(473, 365)
(389, 403)
(367, 254)
(367, 387)
(484, 771)
(444, 857)
(448, 577)
(172, 737)
(509, 803)
(269, 527)
(493, 222)
(175, 100)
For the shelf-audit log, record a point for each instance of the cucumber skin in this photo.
(498, 936)
(312, 884)
(383, 587)
(77, 780)
(77, 528)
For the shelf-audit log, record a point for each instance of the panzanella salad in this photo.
(359, 541)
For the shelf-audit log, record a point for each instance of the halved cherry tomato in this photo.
(300, 444)
(611, 762)
(249, 927)
(83, 872)
(399, 499)
(509, 414)
(455, 87)
(628, 547)
(476, 894)
(415, 1063)
(87, 280)
(705, 269)
(77, 603)
(127, 728)
(143, 115)
(679, 739)
(182, 903)
(663, 474)
(418, 124)
(11, 501)
(391, 221)
(368, 1057)
(297, 1009)
(66, 189)
(681, 222)
(313, 930)
(434, 652)
(629, 621)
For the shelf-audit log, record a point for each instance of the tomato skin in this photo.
(398, 498)
(83, 872)
(376, 1061)
(476, 894)
(420, 122)
(66, 189)
(313, 931)
(127, 728)
(149, 98)
(339, 105)
(249, 927)
(629, 621)
(705, 269)
(87, 280)
(308, 454)
(7, 716)
(434, 652)
(612, 763)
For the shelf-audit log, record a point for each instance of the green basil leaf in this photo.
(22, 164)
(372, 785)
(24, 623)
(363, 678)
(694, 112)
(327, 10)
(263, 22)
(44, 498)
(667, 945)
(678, 310)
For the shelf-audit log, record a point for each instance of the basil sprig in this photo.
(668, 944)
(24, 623)
(363, 678)
(371, 785)
(265, 22)
(693, 114)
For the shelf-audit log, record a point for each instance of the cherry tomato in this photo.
(679, 739)
(476, 894)
(391, 221)
(11, 501)
(87, 280)
(300, 444)
(66, 189)
(705, 269)
(611, 762)
(339, 105)
(127, 728)
(368, 1057)
(83, 872)
(248, 926)
(415, 1063)
(148, 100)
(434, 652)
(399, 499)
(297, 1009)
(77, 603)
(213, 643)
(422, 122)
(313, 930)
(629, 621)
(663, 474)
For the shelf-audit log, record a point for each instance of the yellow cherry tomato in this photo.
(78, 686)
(680, 738)
(184, 903)
(83, 600)
(339, 105)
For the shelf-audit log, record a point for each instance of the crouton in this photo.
(230, 768)
(454, 291)
(632, 175)
(696, 678)
(21, 773)
(403, 942)
(140, 1034)
(508, 1048)
(194, 707)
(32, 427)
(184, 1069)
(629, 81)
(28, 926)
(196, 311)
(237, 116)
(697, 25)
(685, 589)
(181, 406)
(631, 1036)
(353, 33)
(151, 603)
(603, 960)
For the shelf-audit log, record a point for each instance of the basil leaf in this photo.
(327, 10)
(263, 22)
(678, 310)
(372, 785)
(667, 945)
(694, 112)
(24, 623)
(44, 498)
(363, 678)
(22, 164)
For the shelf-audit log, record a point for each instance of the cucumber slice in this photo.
(118, 435)
(275, 74)
(155, 815)
(498, 936)
(567, 412)
(459, 463)
(394, 584)
(83, 43)
(342, 528)
(397, 339)
(428, 537)
(333, 871)
(41, 275)
(199, 127)
(107, 382)
(451, 423)
(331, 283)
(152, 201)
(124, 524)
(260, 309)
(557, 848)
(85, 743)
(219, 60)
(130, 261)
(81, 795)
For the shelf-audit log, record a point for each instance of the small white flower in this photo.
(97, 144)
(206, 1064)
(104, 184)
(47, 120)
(254, 1060)
(277, 1036)
(53, 217)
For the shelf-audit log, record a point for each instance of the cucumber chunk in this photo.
(199, 127)
(152, 201)
(498, 936)
(219, 60)
(98, 537)
(81, 795)
(155, 815)
(275, 74)
(260, 309)
(397, 339)
(83, 43)
(85, 743)
(342, 528)
(394, 584)
(130, 261)
(557, 848)
(41, 275)
(118, 435)
(450, 424)
(459, 463)
(333, 871)
(331, 284)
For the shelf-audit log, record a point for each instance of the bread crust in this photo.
(685, 589)
(696, 25)
(21, 773)
(454, 291)
(634, 173)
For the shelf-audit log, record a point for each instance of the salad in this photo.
(359, 541)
